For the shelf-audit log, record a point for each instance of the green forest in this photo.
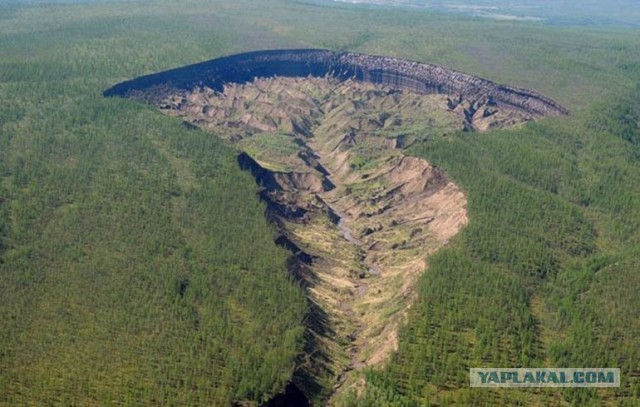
(137, 266)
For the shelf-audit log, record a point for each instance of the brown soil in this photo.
(363, 217)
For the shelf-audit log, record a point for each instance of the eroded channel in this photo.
(360, 216)
(328, 149)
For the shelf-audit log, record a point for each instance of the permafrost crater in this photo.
(323, 133)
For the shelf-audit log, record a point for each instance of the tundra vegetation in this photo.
(136, 265)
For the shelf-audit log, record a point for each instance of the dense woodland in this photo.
(137, 267)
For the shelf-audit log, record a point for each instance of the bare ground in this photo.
(371, 216)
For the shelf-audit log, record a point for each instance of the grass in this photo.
(277, 152)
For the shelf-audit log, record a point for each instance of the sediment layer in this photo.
(397, 73)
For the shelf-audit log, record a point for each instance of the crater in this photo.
(324, 134)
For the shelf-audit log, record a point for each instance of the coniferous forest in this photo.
(137, 266)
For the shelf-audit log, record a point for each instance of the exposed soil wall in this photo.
(398, 73)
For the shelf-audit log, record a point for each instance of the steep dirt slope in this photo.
(398, 73)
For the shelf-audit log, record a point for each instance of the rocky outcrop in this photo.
(394, 72)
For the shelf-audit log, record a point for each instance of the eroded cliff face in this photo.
(397, 73)
(324, 135)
